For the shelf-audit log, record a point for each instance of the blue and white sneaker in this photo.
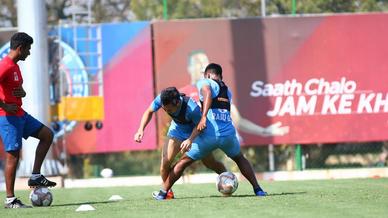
(261, 193)
(159, 196)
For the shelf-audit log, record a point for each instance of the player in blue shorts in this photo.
(185, 114)
(215, 130)
(16, 124)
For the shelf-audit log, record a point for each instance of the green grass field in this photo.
(329, 198)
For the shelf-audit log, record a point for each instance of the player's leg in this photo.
(210, 162)
(45, 136)
(247, 170)
(173, 176)
(169, 152)
(177, 171)
(199, 149)
(36, 129)
(11, 163)
(10, 133)
(231, 147)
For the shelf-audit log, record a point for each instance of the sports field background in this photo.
(322, 198)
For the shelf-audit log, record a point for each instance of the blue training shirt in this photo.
(193, 113)
(219, 122)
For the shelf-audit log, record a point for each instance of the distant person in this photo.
(215, 130)
(16, 124)
(383, 155)
(185, 114)
(196, 63)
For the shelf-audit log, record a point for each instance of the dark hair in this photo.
(170, 95)
(20, 39)
(214, 68)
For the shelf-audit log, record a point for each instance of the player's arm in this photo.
(186, 144)
(248, 126)
(195, 116)
(146, 118)
(244, 124)
(207, 102)
(10, 108)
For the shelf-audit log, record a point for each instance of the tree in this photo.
(128, 10)
(8, 13)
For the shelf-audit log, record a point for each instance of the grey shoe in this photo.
(16, 204)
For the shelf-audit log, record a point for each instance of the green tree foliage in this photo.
(128, 10)
(180, 9)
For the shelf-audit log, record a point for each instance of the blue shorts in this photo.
(178, 134)
(204, 145)
(14, 128)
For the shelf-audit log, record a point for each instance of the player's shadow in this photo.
(79, 204)
(287, 193)
(245, 196)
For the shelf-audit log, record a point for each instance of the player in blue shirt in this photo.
(215, 130)
(185, 114)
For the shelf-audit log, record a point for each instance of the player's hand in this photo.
(276, 129)
(138, 136)
(186, 145)
(202, 124)
(10, 108)
(19, 92)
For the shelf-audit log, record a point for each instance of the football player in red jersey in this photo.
(16, 124)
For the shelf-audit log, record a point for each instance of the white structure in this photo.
(32, 19)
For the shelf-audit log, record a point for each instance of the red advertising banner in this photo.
(324, 77)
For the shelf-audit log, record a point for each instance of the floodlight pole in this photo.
(298, 147)
(293, 7)
(263, 8)
(165, 10)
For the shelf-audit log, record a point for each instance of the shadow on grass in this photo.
(244, 196)
(287, 193)
(79, 204)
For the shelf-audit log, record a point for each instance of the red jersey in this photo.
(10, 78)
(191, 91)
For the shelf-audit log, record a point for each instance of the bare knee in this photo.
(12, 157)
(46, 136)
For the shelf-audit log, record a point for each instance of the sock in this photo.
(9, 199)
(258, 189)
(163, 192)
(35, 175)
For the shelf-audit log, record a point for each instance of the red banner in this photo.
(324, 77)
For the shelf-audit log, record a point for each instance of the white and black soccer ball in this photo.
(41, 197)
(227, 183)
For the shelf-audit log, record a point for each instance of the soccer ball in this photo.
(227, 183)
(41, 196)
(106, 173)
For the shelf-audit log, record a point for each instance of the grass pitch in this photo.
(328, 198)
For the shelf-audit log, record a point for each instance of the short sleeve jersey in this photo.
(10, 78)
(219, 119)
(193, 113)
